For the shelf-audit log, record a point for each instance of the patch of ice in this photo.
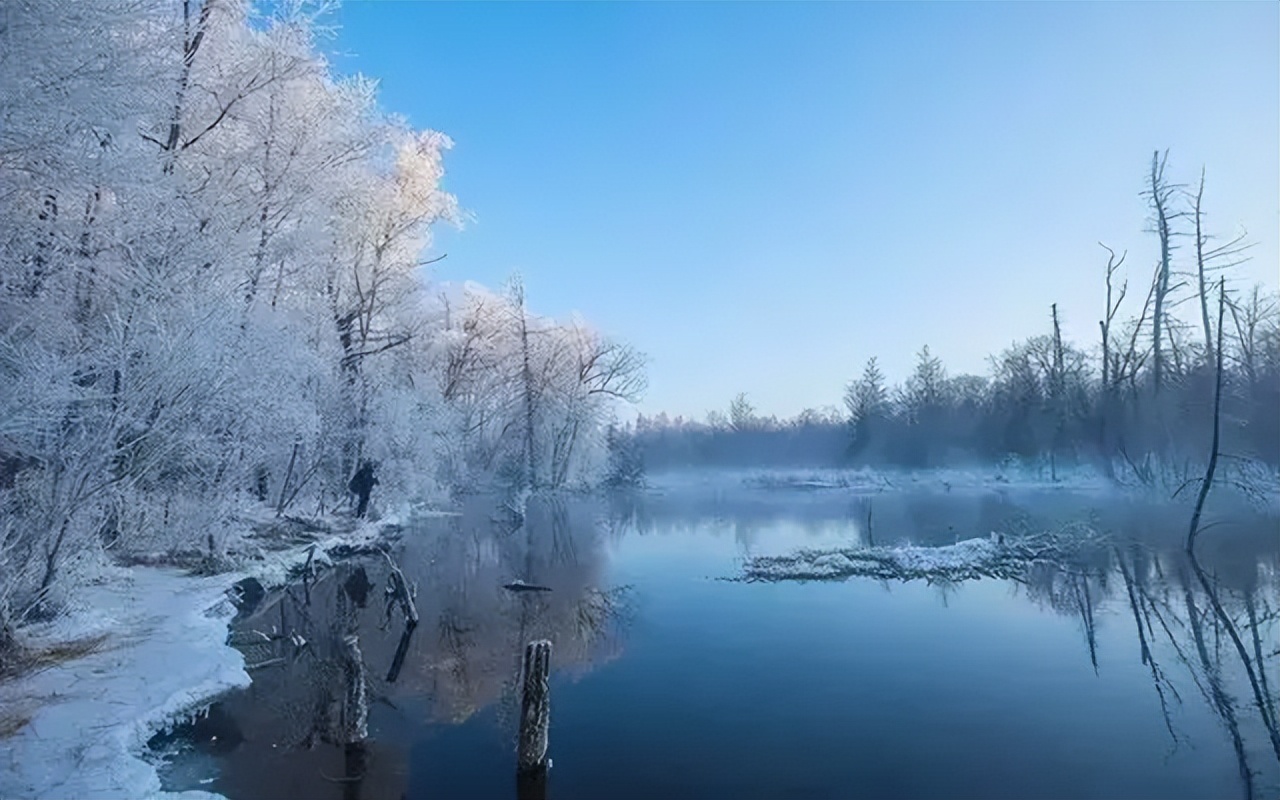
(995, 556)
(164, 658)
(164, 655)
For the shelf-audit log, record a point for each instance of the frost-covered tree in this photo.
(212, 295)
(742, 415)
(625, 468)
(529, 397)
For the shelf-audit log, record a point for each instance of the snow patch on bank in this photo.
(994, 557)
(164, 659)
(164, 656)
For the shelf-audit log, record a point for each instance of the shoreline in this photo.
(81, 727)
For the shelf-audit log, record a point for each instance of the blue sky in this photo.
(763, 195)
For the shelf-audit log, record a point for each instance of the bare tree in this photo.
(1207, 483)
(1250, 324)
(1108, 394)
(1210, 260)
(610, 368)
(1106, 323)
(1160, 193)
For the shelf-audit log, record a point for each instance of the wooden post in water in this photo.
(535, 708)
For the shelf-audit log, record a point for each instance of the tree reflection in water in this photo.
(301, 702)
(1204, 632)
(1216, 622)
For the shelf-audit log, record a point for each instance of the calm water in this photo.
(1106, 678)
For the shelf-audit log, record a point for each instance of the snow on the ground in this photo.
(164, 658)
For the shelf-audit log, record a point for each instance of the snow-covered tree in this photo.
(212, 294)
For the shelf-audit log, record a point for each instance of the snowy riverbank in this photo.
(82, 726)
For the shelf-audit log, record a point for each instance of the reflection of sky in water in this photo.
(860, 688)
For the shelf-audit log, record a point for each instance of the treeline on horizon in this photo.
(1139, 398)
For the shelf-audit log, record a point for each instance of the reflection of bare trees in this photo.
(1255, 622)
(1188, 615)
(1139, 605)
(312, 699)
(561, 548)
(1222, 637)
(1254, 671)
(598, 613)
(340, 657)
(1214, 691)
(1073, 584)
(1206, 630)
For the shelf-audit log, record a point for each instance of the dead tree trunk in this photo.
(288, 476)
(1160, 193)
(1200, 274)
(1059, 389)
(1107, 404)
(402, 650)
(1217, 429)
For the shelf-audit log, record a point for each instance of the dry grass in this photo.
(12, 721)
(41, 658)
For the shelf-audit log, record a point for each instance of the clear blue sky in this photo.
(762, 195)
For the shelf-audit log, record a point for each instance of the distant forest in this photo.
(1140, 397)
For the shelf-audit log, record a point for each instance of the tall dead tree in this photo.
(1159, 194)
(1198, 211)
(1105, 324)
(1058, 394)
(1210, 260)
(1112, 308)
(1212, 466)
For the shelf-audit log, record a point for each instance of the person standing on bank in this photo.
(361, 485)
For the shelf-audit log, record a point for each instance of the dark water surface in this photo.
(1109, 678)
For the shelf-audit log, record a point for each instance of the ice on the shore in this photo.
(164, 657)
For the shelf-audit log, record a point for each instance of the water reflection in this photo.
(1200, 636)
(1192, 611)
(1217, 621)
(435, 636)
